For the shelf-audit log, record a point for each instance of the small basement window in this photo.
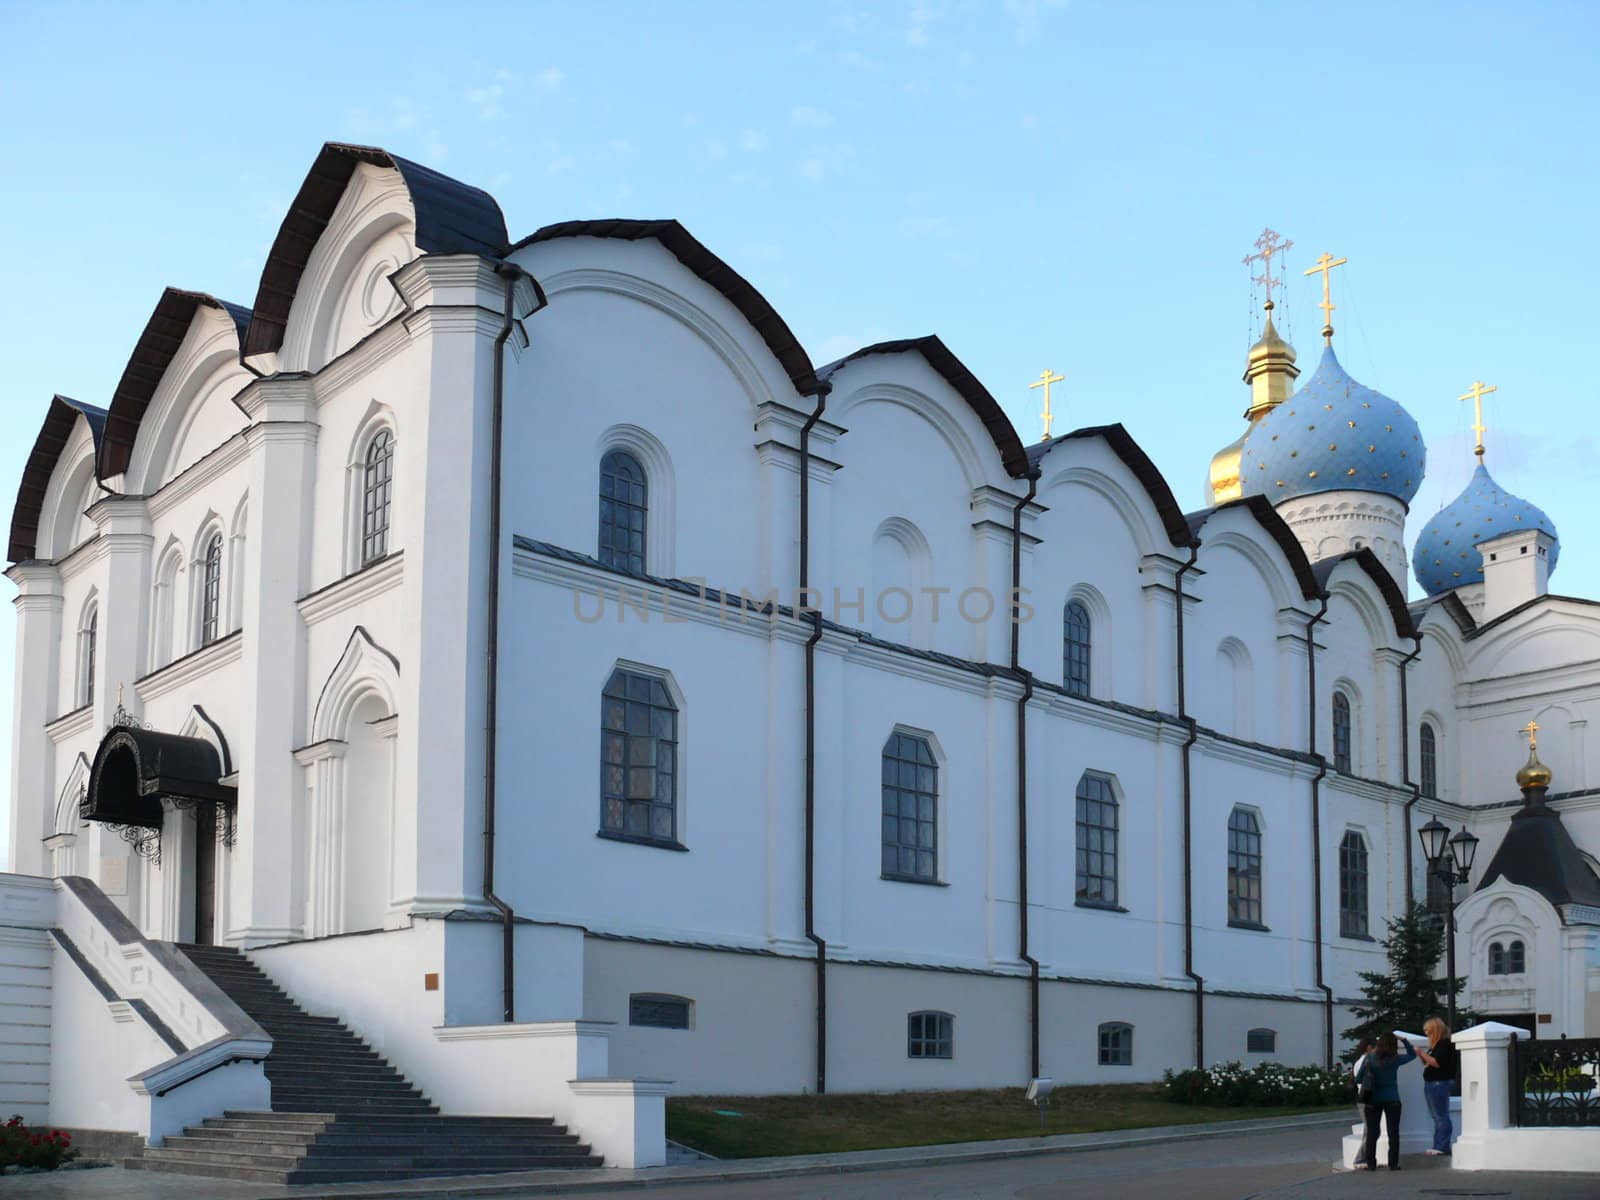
(659, 1012)
(930, 1035)
(1116, 1044)
(1261, 1041)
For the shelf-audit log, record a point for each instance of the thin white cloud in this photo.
(487, 101)
(808, 117)
(560, 164)
(753, 140)
(917, 29)
(550, 79)
(813, 169)
(925, 227)
(716, 151)
(1026, 17)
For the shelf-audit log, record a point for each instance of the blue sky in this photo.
(1070, 185)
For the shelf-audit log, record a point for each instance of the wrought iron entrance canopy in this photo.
(135, 769)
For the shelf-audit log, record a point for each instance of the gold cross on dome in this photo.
(1268, 244)
(1046, 378)
(1325, 264)
(1532, 730)
(1476, 395)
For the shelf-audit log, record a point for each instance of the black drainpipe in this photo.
(811, 741)
(510, 273)
(1316, 832)
(1022, 772)
(1188, 826)
(1405, 760)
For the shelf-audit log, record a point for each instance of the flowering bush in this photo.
(1264, 1085)
(24, 1147)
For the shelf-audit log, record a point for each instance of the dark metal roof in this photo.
(47, 447)
(451, 218)
(1136, 460)
(1538, 852)
(1268, 518)
(1394, 599)
(134, 768)
(688, 250)
(956, 374)
(151, 356)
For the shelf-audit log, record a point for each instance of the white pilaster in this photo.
(34, 701)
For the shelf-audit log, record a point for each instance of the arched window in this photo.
(1516, 958)
(376, 484)
(1429, 746)
(87, 637)
(930, 1035)
(1341, 732)
(1097, 842)
(1116, 1044)
(1497, 959)
(211, 590)
(1261, 1041)
(638, 759)
(910, 809)
(622, 512)
(1244, 869)
(1075, 654)
(1353, 885)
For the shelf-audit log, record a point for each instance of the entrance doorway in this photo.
(205, 874)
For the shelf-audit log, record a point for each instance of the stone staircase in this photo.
(340, 1112)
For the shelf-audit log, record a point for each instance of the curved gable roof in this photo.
(1277, 528)
(151, 356)
(47, 447)
(1121, 443)
(451, 218)
(1394, 599)
(688, 250)
(956, 374)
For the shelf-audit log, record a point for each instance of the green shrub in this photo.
(24, 1147)
(1265, 1085)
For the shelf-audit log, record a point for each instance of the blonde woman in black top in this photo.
(1441, 1066)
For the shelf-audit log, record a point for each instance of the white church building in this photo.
(767, 727)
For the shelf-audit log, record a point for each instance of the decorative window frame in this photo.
(941, 824)
(1259, 1033)
(165, 610)
(1431, 722)
(210, 528)
(1352, 695)
(1119, 799)
(680, 806)
(1366, 910)
(88, 651)
(661, 493)
(1241, 695)
(915, 629)
(1260, 926)
(379, 418)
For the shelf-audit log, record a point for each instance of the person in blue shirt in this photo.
(1381, 1068)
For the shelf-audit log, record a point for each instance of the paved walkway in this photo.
(1288, 1159)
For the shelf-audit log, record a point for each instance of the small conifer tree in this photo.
(1410, 991)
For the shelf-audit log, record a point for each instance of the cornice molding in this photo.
(70, 725)
(363, 585)
(190, 667)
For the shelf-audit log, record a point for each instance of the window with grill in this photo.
(1341, 732)
(1097, 842)
(659, 1012)
(1244, 868)
(1261, 1041)
(1429, 746)
(930, 1035)
(91, 630)
(377, 483)
(211, 591)
(1497, 959)
(623, 509)
(1116, 1044)
(1516, 959)
(638, 759)
(910, 809)
(1353, 885)
(1075, 670)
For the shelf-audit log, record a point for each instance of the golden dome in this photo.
(1271, 346)
(1534, 773)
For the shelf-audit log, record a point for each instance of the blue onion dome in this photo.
(1334, 435)
(1446, 554)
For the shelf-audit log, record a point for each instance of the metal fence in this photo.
(1554, 1082)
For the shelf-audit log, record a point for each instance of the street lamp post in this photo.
(1449, 861)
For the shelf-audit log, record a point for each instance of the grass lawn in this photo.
(873, 1121)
